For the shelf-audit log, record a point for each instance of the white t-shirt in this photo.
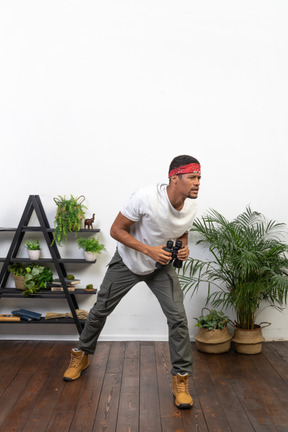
(156, 222)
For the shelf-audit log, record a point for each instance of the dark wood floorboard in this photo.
(128, 388)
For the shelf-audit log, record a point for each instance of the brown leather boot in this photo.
(78, 363)
(183, 400)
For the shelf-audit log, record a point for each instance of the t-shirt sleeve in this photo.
(133, 209)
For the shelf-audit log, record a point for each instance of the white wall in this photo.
(97, 97)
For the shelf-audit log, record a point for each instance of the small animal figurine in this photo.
(89, 222)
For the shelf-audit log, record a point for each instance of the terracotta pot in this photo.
(213, 341)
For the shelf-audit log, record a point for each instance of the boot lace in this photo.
(182, 386)
(74, 362)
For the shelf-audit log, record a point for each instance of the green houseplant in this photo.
(32, 245)
(91, 247)
(33, 277)
(213, 336)
(36, 277)
(213, 320)
(33, 249)
(90, 288)
(18, 271)
(248, 269)
(69, 215)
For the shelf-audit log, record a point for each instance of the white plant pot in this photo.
(90, 256)
(34, 254)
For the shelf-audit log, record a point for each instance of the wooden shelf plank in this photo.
(50, 260)
(13, 292)
(39, 229)
(65, 320)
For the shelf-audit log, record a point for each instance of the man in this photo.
(152, 216)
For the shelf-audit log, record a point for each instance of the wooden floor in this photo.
(128, 388)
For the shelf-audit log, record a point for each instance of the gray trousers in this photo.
(166, 287)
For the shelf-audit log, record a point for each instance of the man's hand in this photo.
(183, 253)
(120, 232)
(158, 254)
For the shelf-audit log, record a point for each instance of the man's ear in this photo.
(174, 179)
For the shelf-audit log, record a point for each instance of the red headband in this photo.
(186, 169)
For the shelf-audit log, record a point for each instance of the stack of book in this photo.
(26, 315)
(71, 284)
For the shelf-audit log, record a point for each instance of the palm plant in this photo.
(249, 266)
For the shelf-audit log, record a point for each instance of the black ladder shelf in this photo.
(34, 203)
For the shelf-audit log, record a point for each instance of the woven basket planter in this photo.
(248, 341)
(19, 282)
(213, 341)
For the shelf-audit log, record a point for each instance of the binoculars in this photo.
(170, 247)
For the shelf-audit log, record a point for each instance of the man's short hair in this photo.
(182, 160)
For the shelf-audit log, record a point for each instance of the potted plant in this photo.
(89, 288)
(213, 336)
(91, 247)
(248, 270)
(18, 271)
(33, 249)
(36, 277)
(30, 278)
(69, 215)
